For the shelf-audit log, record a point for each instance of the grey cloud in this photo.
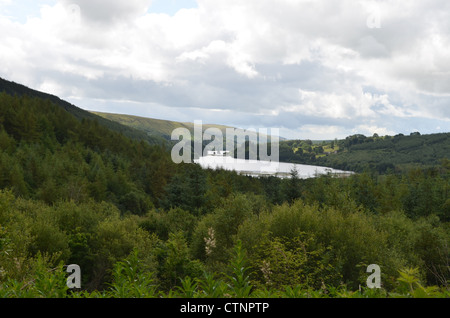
(107, 12)
(369, 47)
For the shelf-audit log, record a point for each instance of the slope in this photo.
(13, 88)
(381, 154)
(164, 128)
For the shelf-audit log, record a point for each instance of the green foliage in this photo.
(297, 261)
(131, 279)
(186, 190)
(335, 242)
(41, 281)
(175, 263)
(410, 286)
(210, 287)
(239, 278)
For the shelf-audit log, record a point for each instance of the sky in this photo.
(314, 69)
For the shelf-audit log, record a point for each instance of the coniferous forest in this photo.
(74, 190)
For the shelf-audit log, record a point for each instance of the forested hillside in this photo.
(13, 88)
(76, 191)
(381, 154)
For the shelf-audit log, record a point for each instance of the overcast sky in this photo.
(317, 69)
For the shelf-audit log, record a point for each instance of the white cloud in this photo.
(369, 130)
(332, 105)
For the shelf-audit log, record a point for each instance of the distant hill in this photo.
(164, 128)
(153, 126)
(16, 89)
(360, 153)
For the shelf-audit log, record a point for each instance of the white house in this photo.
(218, 153)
